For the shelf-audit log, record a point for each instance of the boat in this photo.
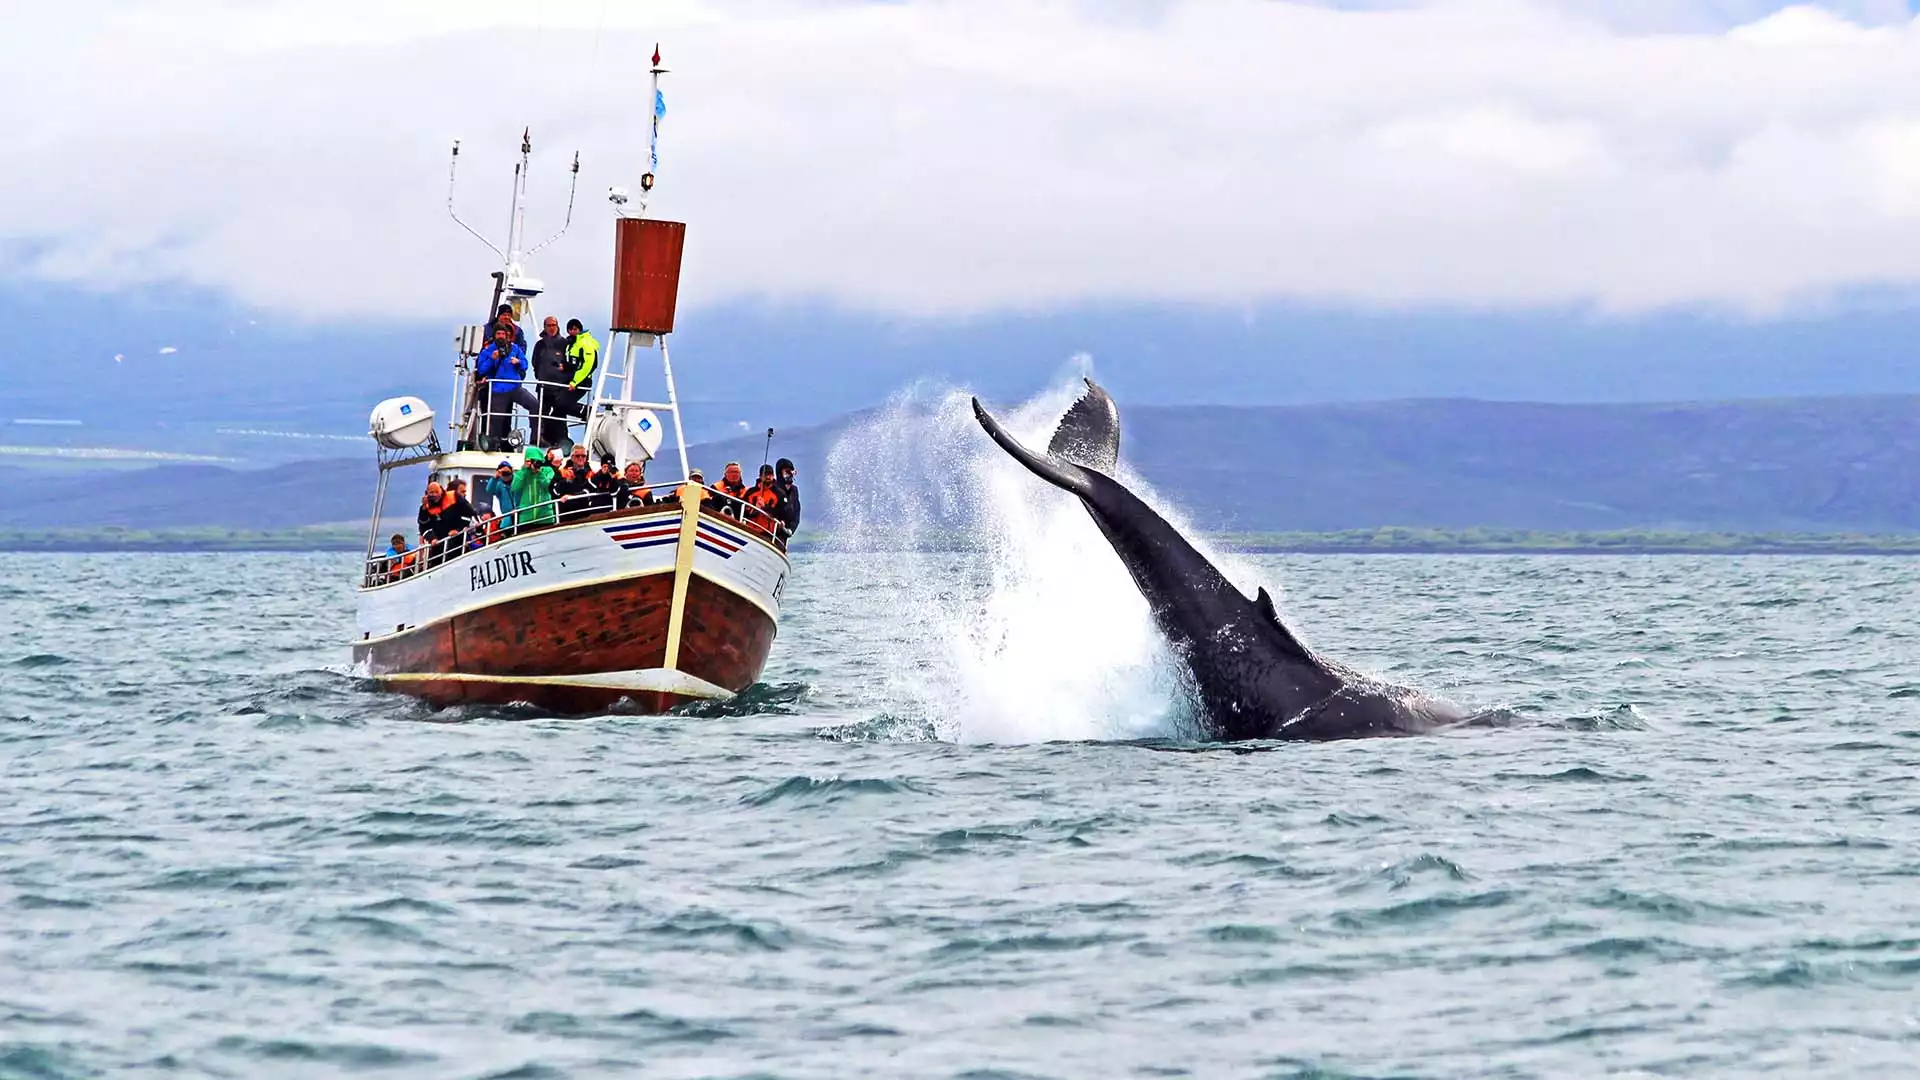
(645, 608)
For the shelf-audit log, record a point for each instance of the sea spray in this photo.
(1048, 639)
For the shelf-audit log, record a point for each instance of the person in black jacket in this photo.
(604, 485)
(788, 509)
(573, 486)
(551, 373)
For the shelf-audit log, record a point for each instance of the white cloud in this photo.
(168, 350)
(927, 158)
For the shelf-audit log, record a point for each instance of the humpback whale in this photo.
(1251, 677)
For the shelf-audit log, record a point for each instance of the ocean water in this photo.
(957, 833)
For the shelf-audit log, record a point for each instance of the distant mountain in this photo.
(185, 371)
(1803, 464)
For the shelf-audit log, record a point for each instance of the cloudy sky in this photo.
(1620, 157)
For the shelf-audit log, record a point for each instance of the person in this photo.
(502, 365)
(533, 491)
(551, 376)
(696, 484)
(505, 315)
(458, 489)
(632, 490)
(432, 518)
(788, 512)
(484, 530)
(583, 355)
(399, 558)
(734, 487)
(573, 485)
(762, 502)
(500, 492)
(453, 517)
(605, 485)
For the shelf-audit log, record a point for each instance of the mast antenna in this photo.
(572, 189)
(471, 231)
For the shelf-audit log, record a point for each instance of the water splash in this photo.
(1048, 639)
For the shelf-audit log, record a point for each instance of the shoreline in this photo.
(1395, 541)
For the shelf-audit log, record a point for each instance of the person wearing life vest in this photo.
(734, 488)
(696, 491)
(501, 366)
(443, 516)
(632, 487)
(583, 355)
(762, 502)
(399, 559)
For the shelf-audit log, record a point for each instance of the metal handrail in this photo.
(379, 568)
(474, 425)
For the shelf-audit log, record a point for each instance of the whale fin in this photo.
(1089, 433)
(1264, 604)
(1056, 471)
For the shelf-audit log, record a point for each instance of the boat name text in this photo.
(501, 568)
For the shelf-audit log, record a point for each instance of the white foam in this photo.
(1047, 638)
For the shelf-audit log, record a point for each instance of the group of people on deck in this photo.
(555, 482)
(543, 492)
(550, 387)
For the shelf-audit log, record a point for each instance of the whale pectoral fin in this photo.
(1089, 433)
(1264, 604)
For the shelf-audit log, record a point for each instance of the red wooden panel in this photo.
(646, 274)
(725, 641)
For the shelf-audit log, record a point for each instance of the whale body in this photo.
(1251, 677)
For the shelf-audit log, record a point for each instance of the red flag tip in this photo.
(656, 54)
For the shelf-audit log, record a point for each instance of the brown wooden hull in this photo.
(604, 627)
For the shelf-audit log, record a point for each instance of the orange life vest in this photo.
(761, 500)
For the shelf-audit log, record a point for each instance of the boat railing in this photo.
(385, 568)
(492, 423)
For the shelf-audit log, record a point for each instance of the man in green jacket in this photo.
(583, 355)
(533, 491)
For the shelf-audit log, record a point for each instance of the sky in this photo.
(1007, 177)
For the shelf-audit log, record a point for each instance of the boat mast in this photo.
(511, 280)
(658, 107)
(646, 281)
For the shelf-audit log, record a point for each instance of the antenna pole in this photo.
(768, 452)
(571, 191)
(517, 224)
(451, 169)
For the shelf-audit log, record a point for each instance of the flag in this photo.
(659, 105)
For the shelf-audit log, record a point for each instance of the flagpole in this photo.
(657, 105)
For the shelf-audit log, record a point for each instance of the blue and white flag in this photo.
(659, 105)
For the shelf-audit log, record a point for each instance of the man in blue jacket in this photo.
(501, 366)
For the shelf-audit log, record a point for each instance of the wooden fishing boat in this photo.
(671, 601)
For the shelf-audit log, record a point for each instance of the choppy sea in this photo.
(956, 833)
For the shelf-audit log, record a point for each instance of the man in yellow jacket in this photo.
(583, 355)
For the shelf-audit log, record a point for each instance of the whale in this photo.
(1250, 676)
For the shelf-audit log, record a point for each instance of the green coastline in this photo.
(1383, 541)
